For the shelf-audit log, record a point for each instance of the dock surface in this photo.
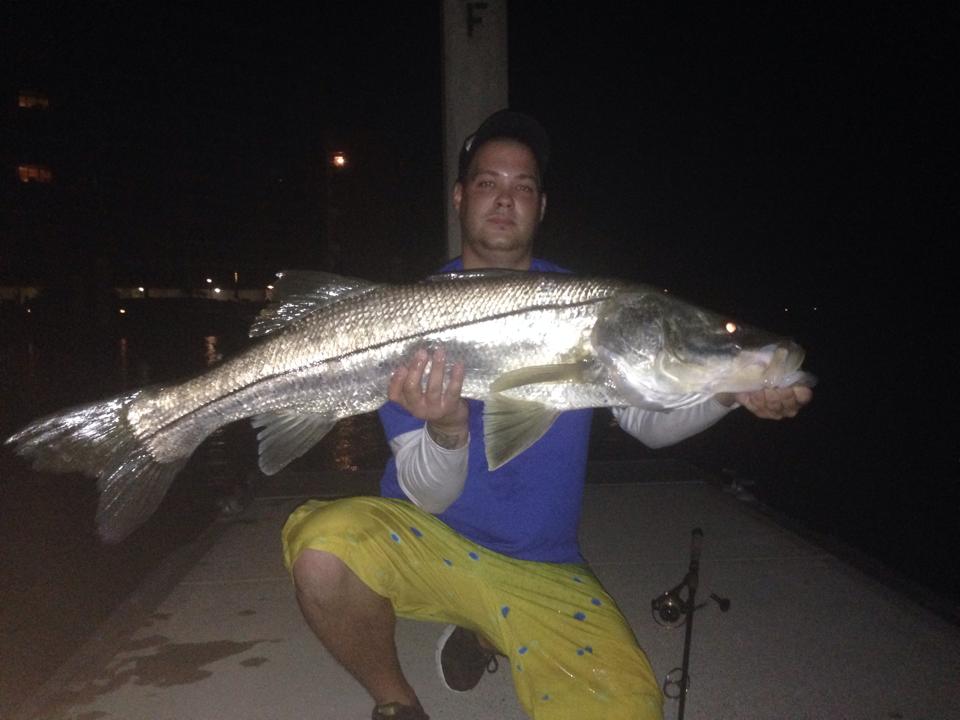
(216, 633)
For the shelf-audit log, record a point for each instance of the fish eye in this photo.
(731, 327)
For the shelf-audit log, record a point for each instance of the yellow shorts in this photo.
(571, 652)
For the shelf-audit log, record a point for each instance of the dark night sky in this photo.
(793, 155)
(750, 159)
(737, 154)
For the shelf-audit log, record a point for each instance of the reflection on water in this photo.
(355, 443)
(210, 353)
(345, 452)
(124, 361)
(30, 366)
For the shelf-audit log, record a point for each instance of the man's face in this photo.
(500, 204)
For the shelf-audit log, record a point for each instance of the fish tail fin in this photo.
(97, 440)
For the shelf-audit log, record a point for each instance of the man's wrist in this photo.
(447, 438)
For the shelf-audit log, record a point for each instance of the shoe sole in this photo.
(444, 636)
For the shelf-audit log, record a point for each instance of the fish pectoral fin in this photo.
(537, 374)
(285, 436)
(511, 426)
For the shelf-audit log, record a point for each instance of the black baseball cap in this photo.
(507, 124)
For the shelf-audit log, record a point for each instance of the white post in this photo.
(474, 83)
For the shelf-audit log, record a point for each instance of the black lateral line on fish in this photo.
(368, 348)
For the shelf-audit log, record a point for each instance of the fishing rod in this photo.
(671, 610)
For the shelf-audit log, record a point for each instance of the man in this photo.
(494, 554)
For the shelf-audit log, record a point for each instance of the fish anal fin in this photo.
(537, 374)
(286, 435)
(130, 492)
(511, 426)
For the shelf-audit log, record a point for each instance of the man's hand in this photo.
(771, 403)
(440, 405)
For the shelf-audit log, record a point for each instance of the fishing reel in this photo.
(671, 610)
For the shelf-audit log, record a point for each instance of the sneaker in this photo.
(461, 660)
(396, 711)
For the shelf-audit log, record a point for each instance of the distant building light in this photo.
(140, 289)
(216, 290)
(269, 287)
(33, 101)
(123, 311)
(209, 281)
(338, 160)
(34, 173)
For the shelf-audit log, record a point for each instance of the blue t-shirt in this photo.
(528, 508)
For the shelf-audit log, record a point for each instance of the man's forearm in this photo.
(431, 475)
(658, 429)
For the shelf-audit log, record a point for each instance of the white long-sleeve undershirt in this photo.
(430, 475)
(660, 429)
(433, 477)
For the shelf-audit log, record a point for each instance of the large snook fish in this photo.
(533, 345)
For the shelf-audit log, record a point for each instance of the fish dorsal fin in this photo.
(537, 374)
(479, 273)
(284, 436)
(511, 426)
(297, 293)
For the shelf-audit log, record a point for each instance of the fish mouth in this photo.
(785, 362)
(773, 365)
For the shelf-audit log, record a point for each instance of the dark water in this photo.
(839, 470)
(57, 580)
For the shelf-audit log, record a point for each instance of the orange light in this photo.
(33, 100)
(338, 160)
(731, 327)
(34, 173)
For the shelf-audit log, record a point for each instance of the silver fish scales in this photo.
(533, 345)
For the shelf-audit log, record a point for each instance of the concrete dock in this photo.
(216, 632)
